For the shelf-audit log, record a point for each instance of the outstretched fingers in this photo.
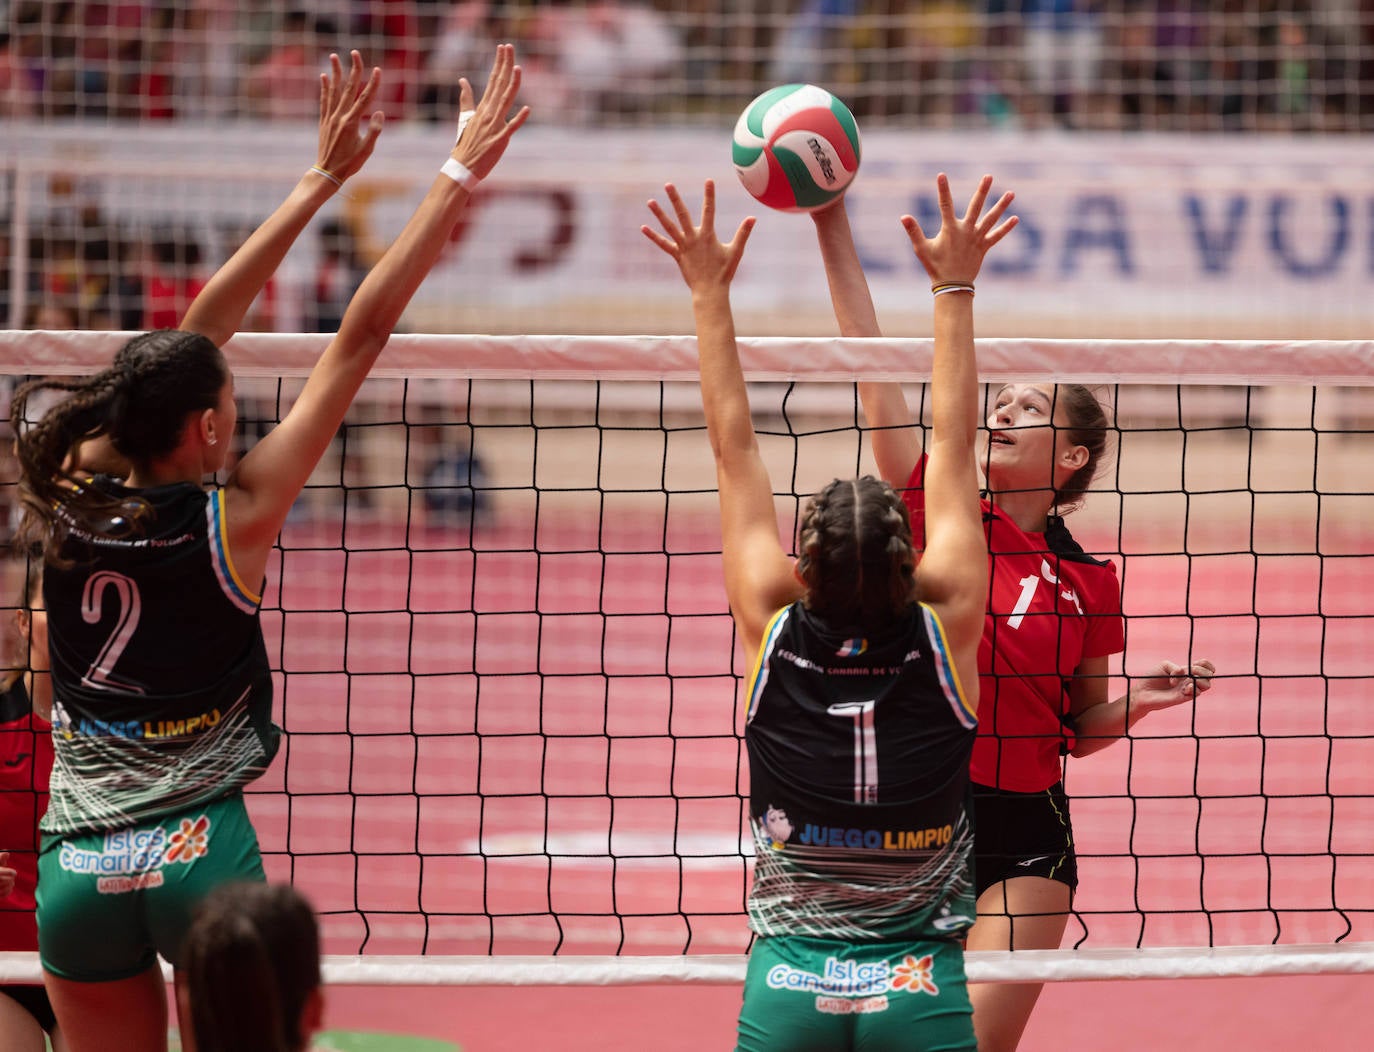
(684, 214)
(504, 82)
(915, 233)
(484, 136)
(979, 198)
(673, 232)
(735, 249)
(699, 253)
(343, 99)
(361, 91)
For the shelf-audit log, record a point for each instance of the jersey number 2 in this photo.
(128, 607)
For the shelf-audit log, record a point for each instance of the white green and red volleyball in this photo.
(796, 147)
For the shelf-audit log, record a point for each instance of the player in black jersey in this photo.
(862, 704)
(162, 695)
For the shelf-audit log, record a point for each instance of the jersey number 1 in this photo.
(865, 747)
(1029, 584)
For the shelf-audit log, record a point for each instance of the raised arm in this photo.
(895, 441)
(219, 310)
(1099, 722)
(271, 475)
(953, 572)
(759, 579)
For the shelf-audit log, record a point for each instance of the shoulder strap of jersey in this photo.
(758, 678)
(944, 668)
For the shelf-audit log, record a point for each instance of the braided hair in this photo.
(250, 960)
(140, 402)
(856, 555)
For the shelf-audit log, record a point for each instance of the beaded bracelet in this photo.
(952, 286)
(327, 175)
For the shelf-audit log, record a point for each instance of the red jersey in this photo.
(25, 764)
(1050, 606)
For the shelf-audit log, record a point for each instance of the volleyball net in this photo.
(509, 678)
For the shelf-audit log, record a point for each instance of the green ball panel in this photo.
(744, 156)
(758, 109)
(804, 189)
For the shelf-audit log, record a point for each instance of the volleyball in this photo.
(796, 147)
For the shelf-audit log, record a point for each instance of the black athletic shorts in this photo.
(1022, 835)
(34, 1000)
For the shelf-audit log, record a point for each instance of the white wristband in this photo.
(460, 174)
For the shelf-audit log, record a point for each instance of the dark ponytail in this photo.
(140, 403)
(856, 555)
(249, 962)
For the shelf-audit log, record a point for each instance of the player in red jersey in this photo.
(1054, 618)
(25, 763)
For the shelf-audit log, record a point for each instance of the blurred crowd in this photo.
(1170, 65)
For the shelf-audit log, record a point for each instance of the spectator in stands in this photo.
(284, 85)
(18, 98)
(600, 56)
(7, 295)
(210, 54)
(395, 28)
(1063, 50)
(804, 50)
(172, 281)
(251, 962)
(464, 34)
(339, 272)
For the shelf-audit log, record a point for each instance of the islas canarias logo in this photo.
(131, 859)
(858, 987)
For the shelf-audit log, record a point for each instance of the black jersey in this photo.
(162, 694)
(859, 788)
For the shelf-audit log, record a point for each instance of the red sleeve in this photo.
(1105, 631)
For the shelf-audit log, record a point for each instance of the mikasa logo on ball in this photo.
(822, 158)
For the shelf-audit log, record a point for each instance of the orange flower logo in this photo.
(192, 841)
(914, 976)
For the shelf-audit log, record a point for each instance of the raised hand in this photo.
(1168, 684)
(956, 252)
(342, 103)
(8, 874)
(485, 130)
(701, 256)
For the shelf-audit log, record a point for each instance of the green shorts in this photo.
(824, 995)
(109, 903)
